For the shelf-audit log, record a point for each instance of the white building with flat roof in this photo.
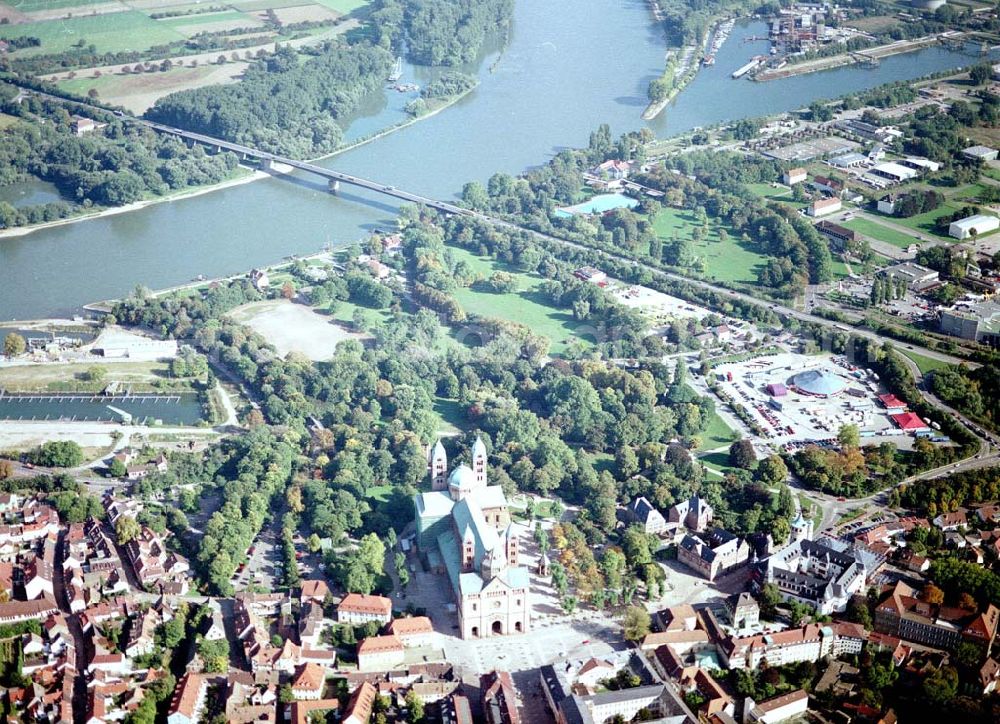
(978, 225)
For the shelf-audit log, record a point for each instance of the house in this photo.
(259, 279)
(980, 153)
(82, 126)
(793, 176)
(412, 630)
(309, 682)
(358, 608)
(17, 611)
(314, 590)
(951, 521)
(188, 702)
(380, 653)
(822, 207)
(593, 672)
(613, 170)
(498, 698)
(973, 226)
(642, 512)
(827, 185)
(713, 553)
(778, 709)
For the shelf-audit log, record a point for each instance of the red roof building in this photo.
(891, 402)
(909, 421)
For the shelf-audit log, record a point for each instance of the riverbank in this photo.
(689, 60)
(435, 106)
(868, 55)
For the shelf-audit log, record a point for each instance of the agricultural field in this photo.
(137, 92)
(523, 306)
(729, 260)
(113, 32)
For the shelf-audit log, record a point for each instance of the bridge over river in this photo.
(334, 178)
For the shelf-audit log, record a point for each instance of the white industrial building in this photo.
(978, 225)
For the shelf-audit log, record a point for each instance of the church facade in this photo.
(464, 530)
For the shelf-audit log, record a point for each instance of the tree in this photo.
(415, 706)
(941, 686)
(932, 594)
(58, 454)
(772, 470)
(742, 455)
(980, 73)
(126, 529)
(14, 345)
(95, 373)
(117, 469)
(637, 623)
(849, 435)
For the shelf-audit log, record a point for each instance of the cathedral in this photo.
(464, 530)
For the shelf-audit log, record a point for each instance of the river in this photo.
(567, 68)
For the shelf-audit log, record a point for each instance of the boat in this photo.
(708, 60)
(397, 70)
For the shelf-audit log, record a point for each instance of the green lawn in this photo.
(926, 222)
(729, 260)
(839, 269)
(717, 433)
(450, 413)
(767, 191)
(524, 306)
(718, 461)
(924, 364)
(881, 233)
(108, 33)
(379, 493)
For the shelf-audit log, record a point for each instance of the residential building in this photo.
(694, 514)
(464, 530)
(412, 630)
(309, 682)
(806, 643)
(901, 613)
(314, 590)
(822, 207)
(793, 176)
(359, 707)
(358, 608)
(380, 653)
(887, 204)
(743, 610)
(973, 226)
(642, 512)
(713, 553)
(778, 709)
(188, 702)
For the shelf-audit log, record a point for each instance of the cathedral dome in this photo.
(462, 478)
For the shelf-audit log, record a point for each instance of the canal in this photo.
(567, 68)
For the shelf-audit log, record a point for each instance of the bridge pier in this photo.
(266, 165)
(333, 186)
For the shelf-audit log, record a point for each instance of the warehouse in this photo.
(978, 225)
(894, 172)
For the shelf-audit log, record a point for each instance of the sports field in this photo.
(729, 260)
